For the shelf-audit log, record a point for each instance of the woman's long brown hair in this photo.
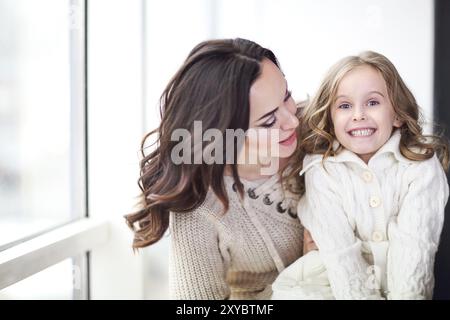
(212, 86)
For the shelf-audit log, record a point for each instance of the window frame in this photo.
(74, 239)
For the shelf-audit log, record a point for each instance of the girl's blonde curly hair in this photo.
(317, 131)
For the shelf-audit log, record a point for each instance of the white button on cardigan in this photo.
(367, 176)
(377, 236)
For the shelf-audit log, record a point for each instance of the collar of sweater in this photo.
(392, 146)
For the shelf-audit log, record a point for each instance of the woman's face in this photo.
(273, 121)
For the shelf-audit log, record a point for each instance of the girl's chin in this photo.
(362, 148)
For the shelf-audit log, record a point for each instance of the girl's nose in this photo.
(358, 114)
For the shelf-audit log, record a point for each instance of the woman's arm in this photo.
(197, 268)
(414, 234)
(308, 242)
(322, 213)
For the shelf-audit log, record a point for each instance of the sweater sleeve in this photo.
(322, 213)
(414, 234)
(197, 269)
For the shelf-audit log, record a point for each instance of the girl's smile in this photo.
(361, 132)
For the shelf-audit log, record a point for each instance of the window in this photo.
(41, 117)
(43, 251)
(42, 285)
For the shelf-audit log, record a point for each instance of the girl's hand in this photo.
(308, 242)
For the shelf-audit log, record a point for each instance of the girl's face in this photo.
(272, 114)
(362, 114)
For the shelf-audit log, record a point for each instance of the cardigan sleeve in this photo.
(414, 234)
(322, 213)
(197, 269)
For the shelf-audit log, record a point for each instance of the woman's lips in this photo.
(290, 140)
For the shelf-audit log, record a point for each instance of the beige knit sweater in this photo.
(239, 254)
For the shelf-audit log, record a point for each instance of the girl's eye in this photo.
(373, 103)
(269, 123)
(344, 106)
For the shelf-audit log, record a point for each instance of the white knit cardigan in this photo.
(236, 255)
(377, 225)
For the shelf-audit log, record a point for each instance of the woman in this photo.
(233, 227)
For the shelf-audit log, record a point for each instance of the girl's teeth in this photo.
(362, 133)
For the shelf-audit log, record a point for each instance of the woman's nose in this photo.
(289, 120)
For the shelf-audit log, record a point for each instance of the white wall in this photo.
(171, 33)
(115, 118)
(308, 36)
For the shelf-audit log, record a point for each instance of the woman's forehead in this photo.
(268, 90)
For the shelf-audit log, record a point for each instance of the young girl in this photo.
(375, 188)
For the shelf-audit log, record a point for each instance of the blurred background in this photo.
(79, 87)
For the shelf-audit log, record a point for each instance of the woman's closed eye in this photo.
(273, 119)
(270, 122)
